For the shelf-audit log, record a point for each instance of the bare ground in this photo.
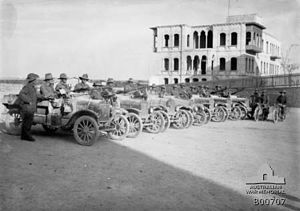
(200, 168)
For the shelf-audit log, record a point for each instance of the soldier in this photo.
(129, 86)
(174, 91)
(47, 88)
(254, 101)
(282, 101)
(152, 89)
(28, 97)
(62, 85)
(82, 86)
(162, 92)
(264, 100)
(96, 92)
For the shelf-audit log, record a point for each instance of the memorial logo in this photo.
(266, 187)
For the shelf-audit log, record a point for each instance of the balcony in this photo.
(274, 57)
(253, 49)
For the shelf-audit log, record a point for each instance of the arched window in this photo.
(188, 62)
(188, 40)
(196, 39)
(196, 64)
(195, 79)
(222, 64)
(267, 47)
(233, 38)
(203, 79)
(166, 63)
(175, 80)
(210, 39)
(167, 40)
(233, 63)
(176, 40)
(246, 64)
(187, 80)
(202, 39)
(222, 39)
(176, 64)
(248, 38)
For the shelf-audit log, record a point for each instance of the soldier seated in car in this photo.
(62, 87)
(82, 86)
(47, 88)
(97, 91)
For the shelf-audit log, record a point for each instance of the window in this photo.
(233, 63)
(176, 64)
(202, 40)
(222, 64)
(248, 38)
(188, 41)
(195, 79)
(203, 79)
(222, 39)
(166, 64)
(176, 40)
(196, 39)
(187, 80)
(210, 39)
(267, 47)
(246, 64)
(166, 80)
(233, 38)
(175, 80)
(167, 40)
(188, 62)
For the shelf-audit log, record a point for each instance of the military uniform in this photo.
(81, 87)
(47, 90)
(28, 99)
(64, 86)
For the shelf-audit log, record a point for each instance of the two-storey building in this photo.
(238, 48)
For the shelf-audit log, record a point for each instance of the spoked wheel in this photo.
(86, 130)
(275, 116)
(182, 119)
(119, 128)
(235, 113)
(135, 125)
(226, 114)
(256, 114)
(243, 112)
(199, 118)
(167, 121)
(12, 123)
(219, 114)
(208, 115)
(191, 119)
(157, 122)
(50, 129)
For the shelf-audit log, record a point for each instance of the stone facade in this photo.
(237, 48)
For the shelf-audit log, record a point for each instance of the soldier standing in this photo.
(82, 86)
(28, 99)
(254, 100)
(264, 100)
(282, 101)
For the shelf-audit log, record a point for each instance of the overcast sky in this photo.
(112, 38)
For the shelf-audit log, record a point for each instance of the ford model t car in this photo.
(82, 115)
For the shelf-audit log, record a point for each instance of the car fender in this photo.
(80, 113)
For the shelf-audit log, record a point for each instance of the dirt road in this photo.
(200, 168)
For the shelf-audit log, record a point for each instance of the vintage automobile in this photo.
(214, 112)
(243, 104)
(153, 121)
(183, 113)
(232, 112)
(86, 117)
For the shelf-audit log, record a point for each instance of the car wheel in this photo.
(199, 118)
(135, 125)
(156, 121)
(167, 121)
(182, 119)
(85, 130)
(119, 128)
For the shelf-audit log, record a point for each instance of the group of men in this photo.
(28, 96)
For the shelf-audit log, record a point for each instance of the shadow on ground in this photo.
(55, 173)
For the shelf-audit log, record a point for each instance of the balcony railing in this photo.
(253, 48)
